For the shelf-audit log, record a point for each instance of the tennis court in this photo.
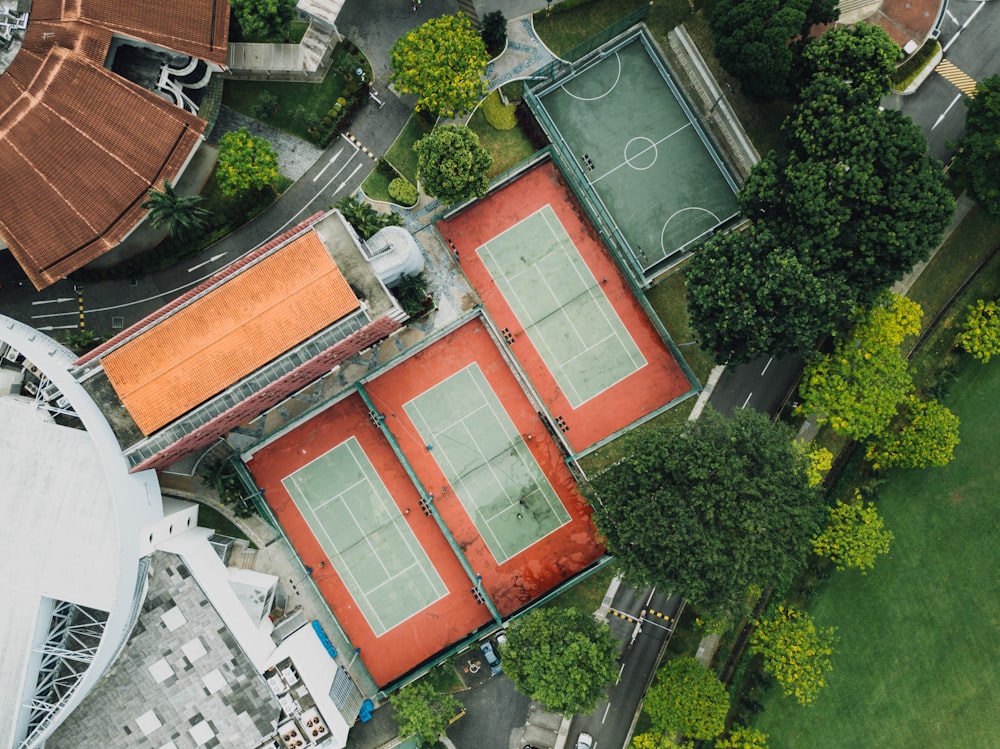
(634, 145)
(361, 530)
(487, 463)
(561, 306)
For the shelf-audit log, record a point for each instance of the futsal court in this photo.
(623, 127)
(563, 308)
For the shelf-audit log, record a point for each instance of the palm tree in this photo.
(180, 215)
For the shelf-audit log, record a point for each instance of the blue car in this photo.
(492, 659)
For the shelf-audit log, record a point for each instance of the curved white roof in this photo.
(72, 516)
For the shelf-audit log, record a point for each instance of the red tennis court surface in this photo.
(511, 585)
(638, 395)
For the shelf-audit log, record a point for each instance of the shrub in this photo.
(494, 32)
(402, 191)
(501, 116)
(910, 68)
(265, 106)
(411, 291)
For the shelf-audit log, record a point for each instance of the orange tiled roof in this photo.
(193, 27)
(229, 333)
(80, 146)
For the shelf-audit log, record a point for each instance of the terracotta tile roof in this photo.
(230, 332)
(79, 148)
(194, 27)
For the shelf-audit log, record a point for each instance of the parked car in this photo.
(492, 659)
(584, 741)
(501, 641)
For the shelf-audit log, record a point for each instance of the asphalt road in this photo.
(968, 35)
(763, 384)
(644, 633)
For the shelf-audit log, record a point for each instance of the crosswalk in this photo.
(957, 77)
(468, 9)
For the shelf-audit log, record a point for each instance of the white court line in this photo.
(655, 144)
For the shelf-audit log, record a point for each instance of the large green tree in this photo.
(452, 164)
(180, 215)
(753, 39)
(855, 201)
(246, 162)
(688, 699)
(862, 55)
(423, 712)
(262, 18)
(709, 508)
(443, 62)
(564, 658)
(978, 159)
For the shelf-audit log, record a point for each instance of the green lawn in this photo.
(915, 659)
(401, 155)
(507, 147)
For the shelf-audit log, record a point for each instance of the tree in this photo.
(859, 387)
(443, 62)
(423, 712)
(926, 436)
(854, 536)
(820, 461)
(563, 658)
(688, 699)
(980, 334)
(262, 18)
(246, 162)
(735, 490)
(652, 740)
(862, 55)
(180, 215)
(978, 160)
(743, 738)
(749, 296)
(753, 39)
(494, 32)
(795, 651)
(452, 165)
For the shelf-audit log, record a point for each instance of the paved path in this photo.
(525, 53)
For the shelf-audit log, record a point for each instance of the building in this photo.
(244, 340)
(98, 104)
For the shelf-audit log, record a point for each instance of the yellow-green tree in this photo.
(423, 712)
(443, 62)
(246, 162)
(859, 388)
(854, 536)
(927, 436)
(688, 699)
(980, 334)
(652, 740)
(743, 738)
(820, 461)
(795, 651)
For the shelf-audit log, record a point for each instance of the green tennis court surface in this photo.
(365, 536)
(561, 306)
(487, 463)
(623, 127)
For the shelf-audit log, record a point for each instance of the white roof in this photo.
(71, 517)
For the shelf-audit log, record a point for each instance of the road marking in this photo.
(620, 672)
(316, 197)
(953, 19)
(957, 77)
(60, 300)
(59, 327)
(606, 713)
(766, 366)
(621, 614)
(964, 26)
(346, 179)
(947, 109)
(210, 260)
(320, 173)
(651, 592)
(749, 396)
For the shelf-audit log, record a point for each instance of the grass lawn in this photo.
(209, 517)
(402, 156)
(587, 594)
(314, 98)
(507, 147)
(911, 662)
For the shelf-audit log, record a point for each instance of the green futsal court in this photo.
(365, 536)
(561, 306)
(618, 122)
(487, 463)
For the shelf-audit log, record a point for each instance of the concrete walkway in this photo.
(525, 53)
